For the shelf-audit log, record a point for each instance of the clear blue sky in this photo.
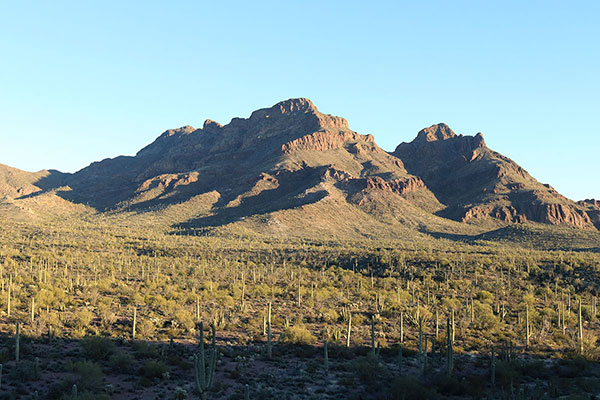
(81, 81)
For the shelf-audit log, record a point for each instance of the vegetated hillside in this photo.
(474, 181)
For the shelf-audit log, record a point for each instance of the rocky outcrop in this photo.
(168, 181)
(555, 214)
(435, 133)
(326, 140)
(592, 208)
(397, 186)
(592, 204)
(503, 213)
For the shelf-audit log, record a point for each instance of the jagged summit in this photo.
(210, 124)
(297, 109)
(285, 159)
(435, 132)
(473, 181)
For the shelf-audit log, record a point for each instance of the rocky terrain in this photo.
(289, 166)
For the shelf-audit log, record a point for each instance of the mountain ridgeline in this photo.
(291, 168)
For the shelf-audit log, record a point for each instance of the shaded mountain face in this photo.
(592, 208)
(280, 158)
(473, 181)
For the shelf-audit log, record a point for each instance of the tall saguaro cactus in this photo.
(269, 344)
(373, 334)
(134, 323)
(580, 329)
(17, 342)
(449, 334)
(349, 329)
(527, 326)
(205, 373)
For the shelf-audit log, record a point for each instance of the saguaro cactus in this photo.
(373, 334)
(527, 326)
(269, 344)
(134, 323)
(580, 329)
(8, 302)
(349, 329)
(17, 341)
(450, 361)
(204, 373)
(421, 338)
(401, 327)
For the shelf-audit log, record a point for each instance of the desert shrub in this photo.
(506, 373)
(146, 329)
(106, 315)
(184, 320)
(367, 368)
(144, 350)
(409, 387)
(485, 297)
(24, 371)
(451, 386)
(484, 316)
(86, 396)
(121, 362)
(152, 372)
(297, 334)
(90, 375)
(154, 369)
(82, 319)
(97, 348)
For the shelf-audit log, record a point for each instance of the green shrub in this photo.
(409, 387)
(144, 350)
(154, 370)
(121, 362)
(367, 368)
(297, 334)
(90, 375)
(97, 348)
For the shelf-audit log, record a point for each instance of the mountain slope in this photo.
(474, 181)
(279, 159)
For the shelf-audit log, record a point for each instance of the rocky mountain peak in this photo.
(298, 110)
(209, 124)
(184, 130)
(434, 133)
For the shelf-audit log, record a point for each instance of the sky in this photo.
(82, 81)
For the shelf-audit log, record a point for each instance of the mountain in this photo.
(16, 183)
(292, 170)
(287, 163)
(473, 181)
(26, 195)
